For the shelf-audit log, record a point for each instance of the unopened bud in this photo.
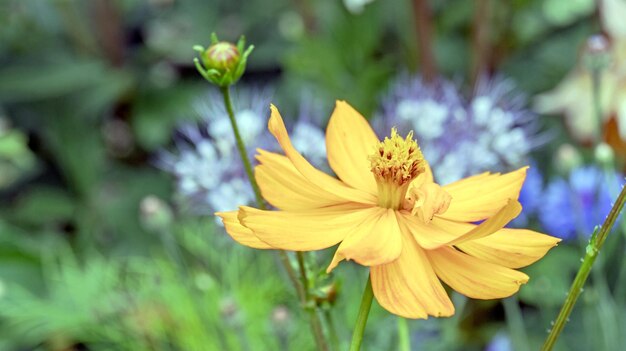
(604, 154)
(280, 315)
(567, 158)
(155, 213)
(222, 56)
(597, 54)
(326, 295)
(204, 282)
(229, 310)
(223, 63)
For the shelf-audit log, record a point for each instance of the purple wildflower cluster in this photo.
(205, 161)
(461, 137)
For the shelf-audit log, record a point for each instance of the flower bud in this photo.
(597, 54)
(604, 154)
(326, 295)
(223, 63)
(155, 214)
(567, 158)
(281, 316)
(222, 56)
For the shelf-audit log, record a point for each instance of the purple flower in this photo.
(461, 137)
(205, 161)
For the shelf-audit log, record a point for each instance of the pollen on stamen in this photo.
(397, 160)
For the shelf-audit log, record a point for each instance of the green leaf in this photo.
(43, 205)
(22, 83)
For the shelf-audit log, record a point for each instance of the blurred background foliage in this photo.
(91, 91)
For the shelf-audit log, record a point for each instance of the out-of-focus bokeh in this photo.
(115, 153)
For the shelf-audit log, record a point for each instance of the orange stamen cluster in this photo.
(395, 163)
(397, 160)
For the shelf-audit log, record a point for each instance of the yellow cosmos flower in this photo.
(387, 213)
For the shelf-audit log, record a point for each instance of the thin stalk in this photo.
(480, 40)
(593, 248)
(332, 330)
(404, 338)
(316, 325)
(241, 147)
(361, 320)
(300, 285)
(303, 276)
(514, 319)
(423, 18)
(596, 76)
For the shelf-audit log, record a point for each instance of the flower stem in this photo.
(332, 330)
(316, 325)
(481, 45)
(422, 15)
(361, 320)
(594, 246)
(596, 77)
(404, 339)
(302, 284)
(241, 147)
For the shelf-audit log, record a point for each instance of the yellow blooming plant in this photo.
(386, 212)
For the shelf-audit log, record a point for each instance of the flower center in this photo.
(395, 163)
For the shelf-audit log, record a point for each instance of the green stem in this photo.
(332, 330)
(596, 75)
(404, 340)
(594, 246)
(361, 320)
(316, 324)
(300, 285)
(241, 147)
(515, 320)
(303, 277)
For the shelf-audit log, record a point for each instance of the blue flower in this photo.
(205, 161)
(573, 207)
(530, 196)
(459, 137)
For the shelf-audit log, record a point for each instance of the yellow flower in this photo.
(388, 214)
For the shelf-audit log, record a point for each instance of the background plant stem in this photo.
(332, 330)
(593, 248)
(481, 45)
(302, 284)
(404, 337)
(422, 15)
(361, 320)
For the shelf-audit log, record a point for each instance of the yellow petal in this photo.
(473, 277)
(304, 230)
(491, 225)
(428, 173)
(408, 286)
(441, 232)
(285, 188)
(513, 248)
(428, 236)
(239, 233)
(481, 196)
(349, 142)
(375, 241)
(277, 127)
